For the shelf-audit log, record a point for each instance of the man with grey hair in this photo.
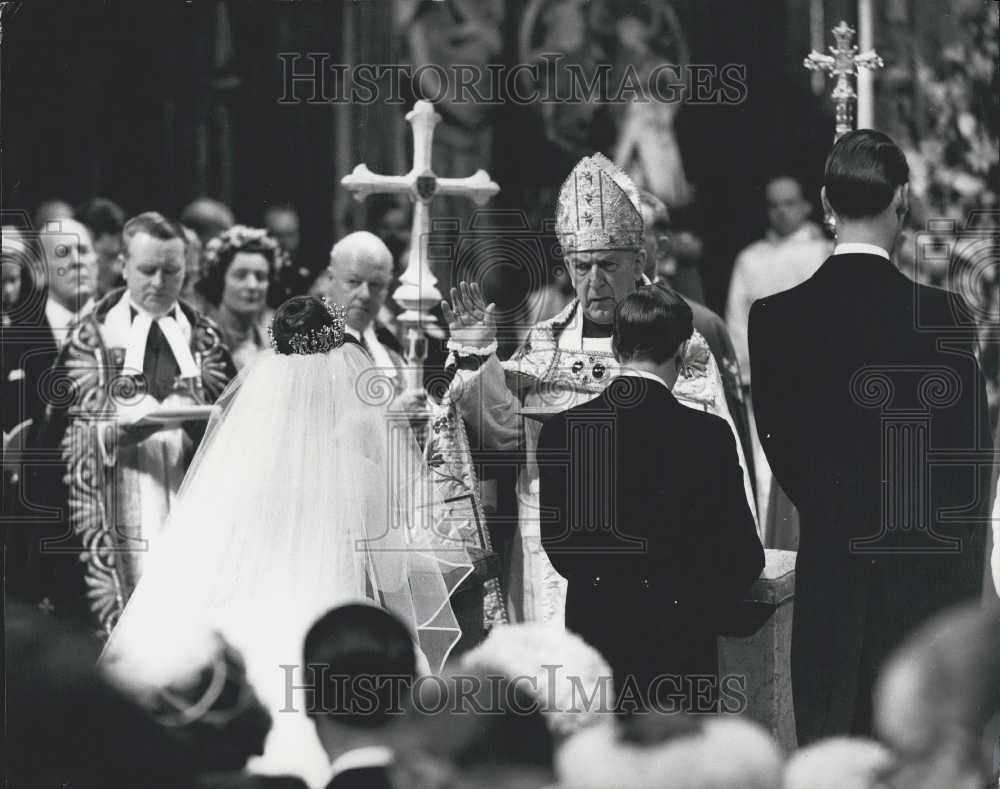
(358, 277)
(64, 260)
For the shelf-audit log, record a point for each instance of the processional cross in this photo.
(843, 62)
(417, 292)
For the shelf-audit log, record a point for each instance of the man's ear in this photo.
(827, 210)
(829, 215)
(903, 204)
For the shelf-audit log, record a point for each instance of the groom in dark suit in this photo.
(872, 411)
(645, 514)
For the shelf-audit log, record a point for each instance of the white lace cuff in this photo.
(472, 350)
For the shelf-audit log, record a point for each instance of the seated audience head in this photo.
(487, 727)
(105, 219)
(240, 265)
(360, 665)
(51, 211)
(577, 693)
(214, 709)
(67, 250)
(282, 222)
(359, 276)
(787, 208)
(865, 187)
(67, 725)
(651, 330)
(197, 690)
(839, 763)
(660, 260)
(937, 701)
(154, 262)
(207, 218)
(671, 751)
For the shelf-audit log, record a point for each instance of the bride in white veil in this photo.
(304, 495)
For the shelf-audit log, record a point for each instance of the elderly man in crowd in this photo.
(358, 277)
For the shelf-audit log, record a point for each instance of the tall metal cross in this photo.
(843, 62)
(417, 292)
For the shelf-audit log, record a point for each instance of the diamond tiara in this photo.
(319, 340)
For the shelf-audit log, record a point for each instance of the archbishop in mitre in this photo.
(564, 361)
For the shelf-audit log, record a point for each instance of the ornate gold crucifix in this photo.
(843, 62)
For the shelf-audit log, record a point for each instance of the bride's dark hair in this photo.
(307, 324)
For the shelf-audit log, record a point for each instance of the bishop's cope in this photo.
(564, 361)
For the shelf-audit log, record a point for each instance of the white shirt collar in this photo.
(644, 374)
(359, 758)
(60, 318)
(857, 248)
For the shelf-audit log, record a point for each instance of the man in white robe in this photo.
(564, 361)
(792, 251)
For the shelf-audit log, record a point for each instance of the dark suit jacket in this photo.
(27, 350)
(645, 514)
(857, 372)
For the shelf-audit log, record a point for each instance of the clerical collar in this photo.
(135, 309)
(592, 329)
(858, 248)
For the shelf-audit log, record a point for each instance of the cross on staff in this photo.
(843, 62)
(417, 292)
